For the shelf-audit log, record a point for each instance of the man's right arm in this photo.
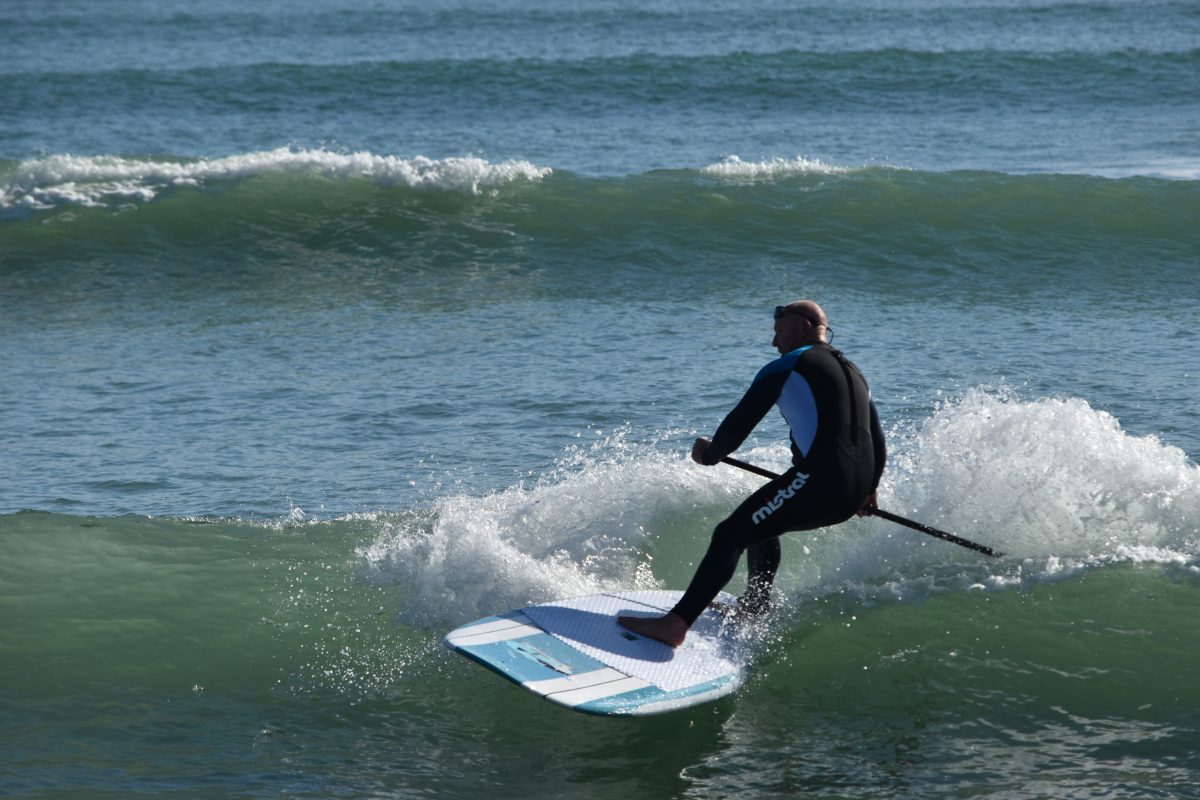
(749, 411)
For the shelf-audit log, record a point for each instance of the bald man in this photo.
(838, 455)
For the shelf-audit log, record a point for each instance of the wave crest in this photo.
(734, 167)
(60, 180)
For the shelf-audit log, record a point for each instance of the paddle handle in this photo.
(879, 512)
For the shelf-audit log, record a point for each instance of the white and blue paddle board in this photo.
(573, 652)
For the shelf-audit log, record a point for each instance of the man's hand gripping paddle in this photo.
(878, 512)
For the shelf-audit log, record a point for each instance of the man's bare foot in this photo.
(669, 628)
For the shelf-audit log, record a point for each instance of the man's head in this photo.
(798, 323)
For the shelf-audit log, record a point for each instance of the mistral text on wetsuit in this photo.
(784, 494)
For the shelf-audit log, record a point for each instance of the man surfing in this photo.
(838, 454)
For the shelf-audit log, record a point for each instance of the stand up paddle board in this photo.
(572, 652)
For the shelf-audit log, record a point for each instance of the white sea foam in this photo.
(580, 530)
(734, 167)
(1058, 475)
(1054, 484)
(103, 180)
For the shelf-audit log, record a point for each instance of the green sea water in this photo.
(221, 659)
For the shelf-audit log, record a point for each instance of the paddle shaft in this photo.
(889, 516)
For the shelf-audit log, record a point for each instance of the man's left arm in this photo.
(877, 442)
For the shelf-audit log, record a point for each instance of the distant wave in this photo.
(426, 208)
(101, 180)
(734, 167)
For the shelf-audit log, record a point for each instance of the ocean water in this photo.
(328, 327)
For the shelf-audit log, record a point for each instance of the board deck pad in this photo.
(573, 652)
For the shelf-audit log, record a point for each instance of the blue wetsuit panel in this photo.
(799, 408)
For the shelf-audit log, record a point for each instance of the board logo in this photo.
(784, 494)
(534, 654)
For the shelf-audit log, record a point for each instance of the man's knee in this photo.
(730, 535)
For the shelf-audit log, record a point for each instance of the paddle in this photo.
(879, 512)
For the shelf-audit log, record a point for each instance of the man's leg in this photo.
(762, 562)
(745, 527)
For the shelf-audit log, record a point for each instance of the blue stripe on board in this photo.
(531, 658)
(629, 702)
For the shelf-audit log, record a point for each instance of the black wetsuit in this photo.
(838, 455)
